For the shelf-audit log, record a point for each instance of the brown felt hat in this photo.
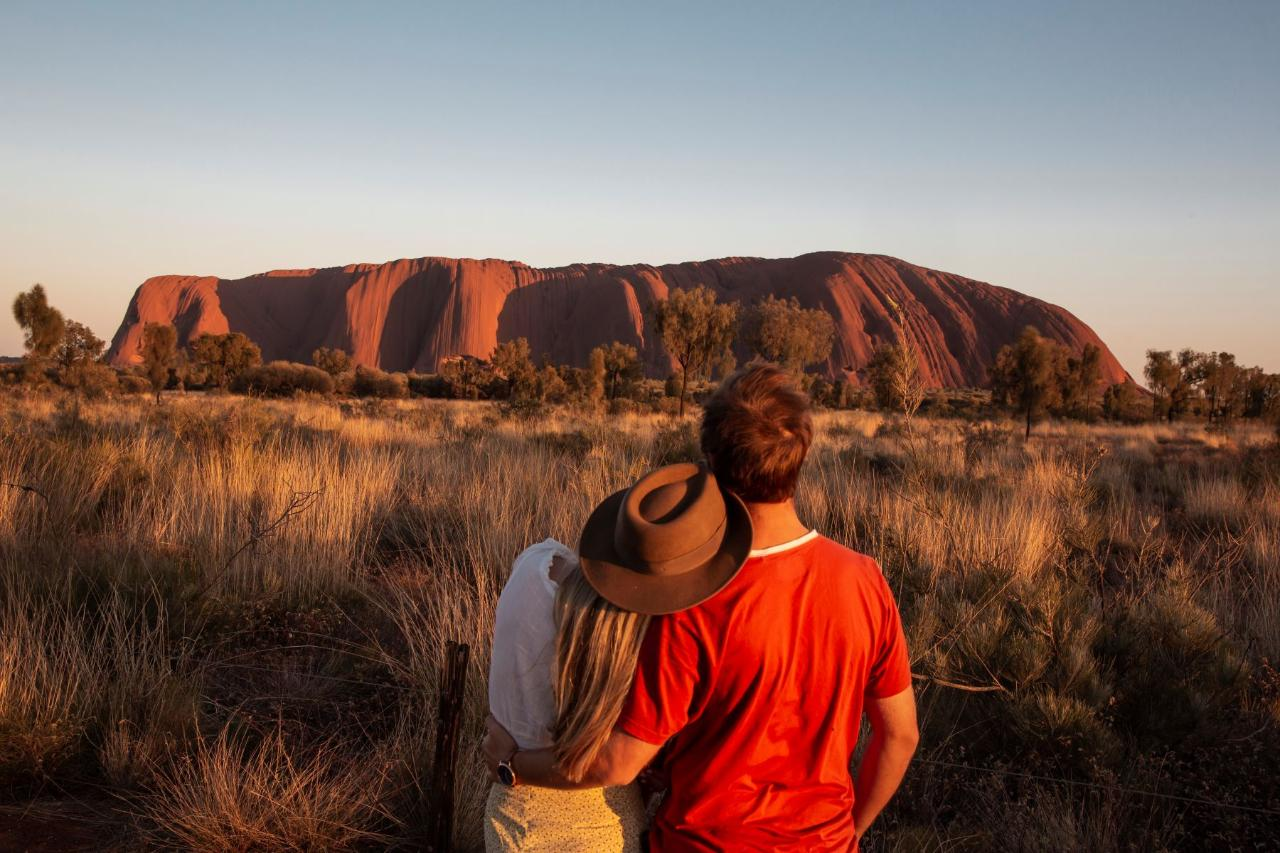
(672, 540)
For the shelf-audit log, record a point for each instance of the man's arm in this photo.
(619, 762)
(894, 736)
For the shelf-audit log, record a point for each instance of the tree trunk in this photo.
(1028, 435)
(684, 383)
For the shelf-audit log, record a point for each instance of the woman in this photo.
(567, 635)
(563, 660)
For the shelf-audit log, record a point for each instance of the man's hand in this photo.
(499, 746)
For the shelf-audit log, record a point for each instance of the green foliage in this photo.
(697, 331)
(549, 386)
(159, 351)
(1080, 377)
(781, 331)
(468, 378)
(894, 375)
(594, 380)
(371, 382)
(677, 442)
(41, 322)
(224, 357)
(284, 379)
(79, 346)
(513, 364)
(1122, 402)
(1172, 382)
(1026, 376)
(1212, 384)
(334, 362)
(132, 383)
(621, 366)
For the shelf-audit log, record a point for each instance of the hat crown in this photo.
(671, 519)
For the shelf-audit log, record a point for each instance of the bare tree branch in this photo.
(23, 487)
(299, 503)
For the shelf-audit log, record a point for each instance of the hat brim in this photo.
(607, 571)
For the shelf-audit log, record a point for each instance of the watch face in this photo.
(506, 776)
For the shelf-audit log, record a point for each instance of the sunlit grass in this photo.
(218, 604)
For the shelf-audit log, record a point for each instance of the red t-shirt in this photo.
(760, 690)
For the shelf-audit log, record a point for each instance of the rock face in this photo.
(411, 314)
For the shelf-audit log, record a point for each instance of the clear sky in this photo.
(1119, 159)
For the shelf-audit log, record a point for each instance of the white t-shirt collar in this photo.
(785, 546)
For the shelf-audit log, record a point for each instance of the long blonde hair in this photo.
(597, 645)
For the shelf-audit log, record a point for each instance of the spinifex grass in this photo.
(232, 614)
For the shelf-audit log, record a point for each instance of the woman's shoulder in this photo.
(535, 563)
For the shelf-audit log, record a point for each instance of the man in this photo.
(759, 690)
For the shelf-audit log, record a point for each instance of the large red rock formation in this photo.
(411, 314)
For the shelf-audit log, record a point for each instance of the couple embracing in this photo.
(702, 634)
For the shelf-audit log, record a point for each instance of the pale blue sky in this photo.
(1121, 160)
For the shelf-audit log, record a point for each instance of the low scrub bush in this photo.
(283, 379)
(371, 382)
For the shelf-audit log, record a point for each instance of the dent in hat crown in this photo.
(671, 520)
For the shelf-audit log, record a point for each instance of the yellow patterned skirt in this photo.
(598, 820)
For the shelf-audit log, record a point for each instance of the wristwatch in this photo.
(506, 773)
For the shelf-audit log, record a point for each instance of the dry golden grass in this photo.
(231, 614)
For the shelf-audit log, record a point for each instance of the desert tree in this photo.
(1120, 402)
(225, 357)
(466, 377)
(42, 326)
(79, 346)
(1260, 393)
(594, 377)
(512, 364)
(1163, 376)
(549, 385)
(781, 331)
(332, 360)
(79, 355)
(894, 376)
(1026, 376)
(1221, 381)
(1081, 375)
(159, 352)
(1172, 381)
(697, 332)
(622, 370)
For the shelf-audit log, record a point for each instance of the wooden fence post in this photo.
(453, 684)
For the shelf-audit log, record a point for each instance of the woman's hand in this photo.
(499, 746)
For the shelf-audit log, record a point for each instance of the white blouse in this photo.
(524, 647)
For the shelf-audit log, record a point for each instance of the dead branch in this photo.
(24, 487)
(967, 688)
(299, 503)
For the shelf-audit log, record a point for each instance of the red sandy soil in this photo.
(411, 314)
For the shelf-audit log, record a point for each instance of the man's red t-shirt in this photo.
(760, 690)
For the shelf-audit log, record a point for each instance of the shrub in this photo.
(334, 362)
(429, 385)
(676, 443)
(92, 379)
(371, 382)
(624, 406)
(132, 383)
(283, 379)
(224, 357)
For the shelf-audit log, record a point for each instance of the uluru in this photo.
(410, 315)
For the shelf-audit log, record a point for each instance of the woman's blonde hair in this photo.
(597, 646)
